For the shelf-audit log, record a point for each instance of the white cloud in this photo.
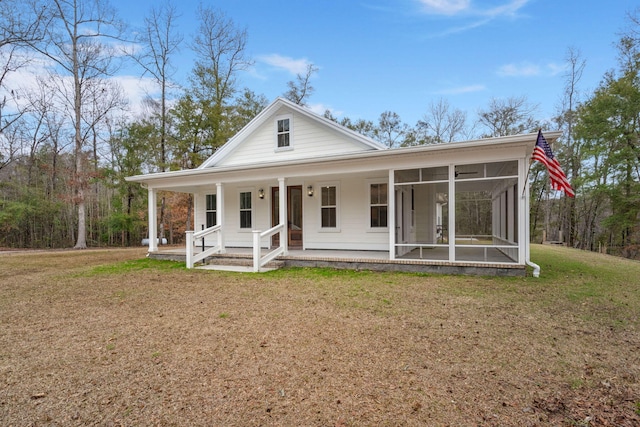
(136, 89)
(293, 66)
(508, 9)
(466, 7)
(123, 48)
(524, 69)
(464, 28)
(527, 69)
(25, 80)
(445, 7)
(18, 84)
(320, 109)
(255, 73)
(480, 14)
(463, 89)
(556, 69)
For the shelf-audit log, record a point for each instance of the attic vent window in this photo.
(283, 133)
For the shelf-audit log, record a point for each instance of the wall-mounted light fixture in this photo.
(261, 193)
(310, 191)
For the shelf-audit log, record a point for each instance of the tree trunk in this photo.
(81, 243)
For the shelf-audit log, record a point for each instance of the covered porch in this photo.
(459, 208)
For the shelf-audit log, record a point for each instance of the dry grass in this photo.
(107, 337)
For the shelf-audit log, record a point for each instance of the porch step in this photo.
(234, 268)
(237, 263)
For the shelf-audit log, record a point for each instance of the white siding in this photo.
(309, 139)
(353, 210)
(260, 218)
(354, 232)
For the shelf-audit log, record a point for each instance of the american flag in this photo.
(543, 154)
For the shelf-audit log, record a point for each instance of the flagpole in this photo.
(526, 178)
(526, 181)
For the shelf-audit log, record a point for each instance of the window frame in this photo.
(208, 211)
(241, 210)
(278, 133)
(336, 207)
(370, 183)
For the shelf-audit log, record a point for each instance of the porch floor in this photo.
(495, 262)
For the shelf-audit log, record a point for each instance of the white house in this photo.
(293, 185)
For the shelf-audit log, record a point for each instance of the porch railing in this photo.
(480, 242)
(192, 236)
(258, 261)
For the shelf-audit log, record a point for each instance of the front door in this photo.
(294, 215)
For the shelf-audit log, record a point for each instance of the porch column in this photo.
(153, 226)
(452, 212)
(282, 188)
(220, 215)
(523, 212)
(391, 212)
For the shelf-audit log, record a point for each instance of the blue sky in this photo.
(400, 55)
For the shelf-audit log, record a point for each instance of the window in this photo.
(283, 132)
(245, 209)
(378, 205)
(329, 206)
(210, 210)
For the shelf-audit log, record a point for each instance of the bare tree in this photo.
(75, 40)
(441, 123)
(220, 50)
(300, 89)
(572, 151)
(509, 116)
(11, 144)
(11, 60)
(102, 99)
(17, 27)
(11, 110)
(391, 130)
(36, 130)
(363, 127)
(22, 22)
(160, 41)
(58, 139)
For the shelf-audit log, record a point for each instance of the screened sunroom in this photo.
(457, 213)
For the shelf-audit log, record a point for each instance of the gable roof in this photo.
(367, 144)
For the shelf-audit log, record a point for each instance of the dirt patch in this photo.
(89, 338)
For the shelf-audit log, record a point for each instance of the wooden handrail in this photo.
(206, 231)
(259, 262)
(191, 238)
